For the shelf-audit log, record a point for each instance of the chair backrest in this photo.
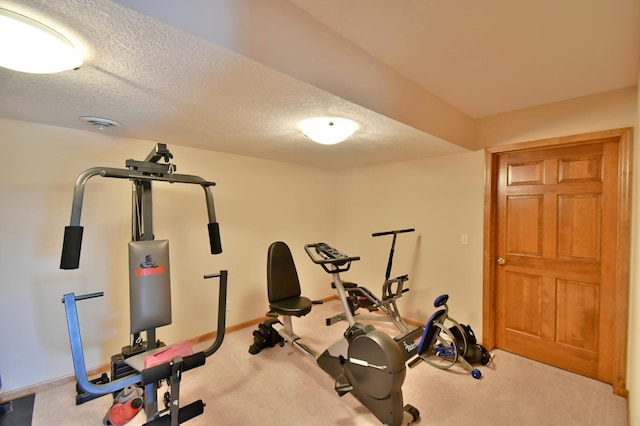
(282, 276)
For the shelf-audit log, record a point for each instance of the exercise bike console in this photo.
(325, 255)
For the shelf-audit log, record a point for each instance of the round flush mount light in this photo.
(99, 122)
(328, 130)
(29, 46)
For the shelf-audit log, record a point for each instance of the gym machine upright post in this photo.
(149, 291)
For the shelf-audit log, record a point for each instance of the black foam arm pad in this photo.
(71, 246)
(214, 238)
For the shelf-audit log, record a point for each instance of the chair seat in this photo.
(295, 306)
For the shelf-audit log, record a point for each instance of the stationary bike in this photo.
(446, 342)
(392, 290)
(364, 362)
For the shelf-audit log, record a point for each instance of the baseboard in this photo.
(39, 387)
(106, 368)
(413, 323)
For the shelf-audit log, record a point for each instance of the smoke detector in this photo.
(100, 123)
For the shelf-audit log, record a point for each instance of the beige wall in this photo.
(609, 110)
(633, 358)
(616, 109)
(257, 202)
(442, 198)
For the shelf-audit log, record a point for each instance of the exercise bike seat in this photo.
(283, 284)
(430, 331)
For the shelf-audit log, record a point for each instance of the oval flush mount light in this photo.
(29, 46)
(99, 122)
(328, 130)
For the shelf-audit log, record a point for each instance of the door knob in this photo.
(500, 261)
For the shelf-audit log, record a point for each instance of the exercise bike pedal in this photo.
(413, 411)
(167, 400)
(343, 386)
(342, 390)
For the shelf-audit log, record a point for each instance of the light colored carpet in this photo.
(281, 386)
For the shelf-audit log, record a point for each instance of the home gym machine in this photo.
(364, 362)
(392, 290)
(446, 342)
(143, 363)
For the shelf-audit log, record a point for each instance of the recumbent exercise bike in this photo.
(365, 362)
(446, 342)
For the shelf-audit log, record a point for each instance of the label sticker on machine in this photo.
(364, 363)
(413, 346)
(149, 267)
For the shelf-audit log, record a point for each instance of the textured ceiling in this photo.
(237, 76)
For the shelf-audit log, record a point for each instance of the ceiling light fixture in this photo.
(29, 46)
(328, 130)
(99, 122)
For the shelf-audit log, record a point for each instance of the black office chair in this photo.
(283, 285)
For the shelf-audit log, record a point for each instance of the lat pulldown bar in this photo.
(139, 172)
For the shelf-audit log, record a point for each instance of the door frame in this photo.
(624, 137)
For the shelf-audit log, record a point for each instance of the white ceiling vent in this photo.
(100, 123)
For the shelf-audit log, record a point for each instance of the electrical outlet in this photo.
(464, 239)
(228, 305)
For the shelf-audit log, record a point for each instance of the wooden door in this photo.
(556, 259)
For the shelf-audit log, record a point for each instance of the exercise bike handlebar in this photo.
(324, 255)
(387, 273)
(401, 231)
